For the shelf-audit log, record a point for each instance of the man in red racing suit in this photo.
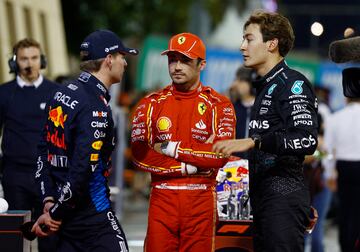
(172, 132)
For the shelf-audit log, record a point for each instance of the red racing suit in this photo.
(182, 212)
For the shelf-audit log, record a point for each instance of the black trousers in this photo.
(349, 204)
(22, 193)
(100, 232)
(281, 207)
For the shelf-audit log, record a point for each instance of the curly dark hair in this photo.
(274, 25)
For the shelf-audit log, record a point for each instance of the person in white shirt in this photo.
(342, 140)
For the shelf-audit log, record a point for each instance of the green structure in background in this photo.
(152, 70)
(307, 68)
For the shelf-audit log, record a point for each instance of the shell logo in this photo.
(163, 124)
(97, 145)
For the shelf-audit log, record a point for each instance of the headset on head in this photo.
(14, 68)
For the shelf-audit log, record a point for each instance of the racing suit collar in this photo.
(96, 84)
(187, 95)
(261, 82)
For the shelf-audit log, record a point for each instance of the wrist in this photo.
(256, 141)
(48, 200)
(187, 169)
(169, 148)
(163, 146)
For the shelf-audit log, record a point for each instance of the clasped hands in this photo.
(45, 220)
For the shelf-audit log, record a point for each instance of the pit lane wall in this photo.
(152, 72)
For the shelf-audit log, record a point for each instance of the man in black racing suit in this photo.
(75, 151)
(283, 129)
(283, 122)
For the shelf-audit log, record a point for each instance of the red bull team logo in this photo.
(57, 116)
(57, 139)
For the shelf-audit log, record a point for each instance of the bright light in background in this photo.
(270, 5)
(317, 29)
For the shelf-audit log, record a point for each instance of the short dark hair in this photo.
(26, 43)
(274, 25)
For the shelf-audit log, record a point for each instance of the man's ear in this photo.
(108, 60)
(272, 44)
(202, 65)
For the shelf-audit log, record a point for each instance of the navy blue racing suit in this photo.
(73, 162)
(284, 117)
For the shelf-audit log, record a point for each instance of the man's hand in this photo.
(331, 183)
(47, 206)
(45, 221)
(157, 148)
(211, 139)
(227, 147)
(188, 169)
(168, 148)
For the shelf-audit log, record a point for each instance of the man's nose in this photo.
(178, 64)
(242, 46)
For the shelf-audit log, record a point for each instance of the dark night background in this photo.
(334, 15)
(137, 19)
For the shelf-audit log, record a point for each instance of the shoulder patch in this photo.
(271, 89)
(84, 76)
(72, 86)
(297, 87)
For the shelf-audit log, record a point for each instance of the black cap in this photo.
(101, 43)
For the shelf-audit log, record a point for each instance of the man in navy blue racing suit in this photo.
(74, 154)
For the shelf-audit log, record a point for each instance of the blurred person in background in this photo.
(62, 79)
(136, 179)
(343, 142)
(75, 152)
(319, 174)
(172, 132)
(283, 129)
(22, 117)
(319, 177)
(242, 96)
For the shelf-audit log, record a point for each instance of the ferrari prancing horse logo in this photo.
(181, 40)
(201, 108)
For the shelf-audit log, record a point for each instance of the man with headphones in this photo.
(22, 116)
